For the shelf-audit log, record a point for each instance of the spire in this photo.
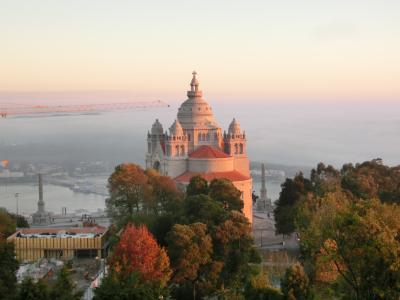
(194, 87)
(194, 84)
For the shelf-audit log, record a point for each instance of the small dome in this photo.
(157, 128)
(234, 127)
(176, 129)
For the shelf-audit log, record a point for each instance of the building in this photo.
(41, 217)
(196, 145)
(32, 244)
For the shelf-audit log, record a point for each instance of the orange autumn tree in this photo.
(138, 251)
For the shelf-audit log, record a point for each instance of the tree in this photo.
(223, 191)
(233, 245)
(372, 179)
(137, 251)
(8, 224)
(8, 267)
(63, 288)
(295, 284)
(204, 209)
(197, 186)
(259, 288)
(293, 190)
(131, 288)
(128, 186)
(165, 196)
(20, 221)
(353, 242)
(364, 247)
(29, 290)
(324, 179)
(190, 249)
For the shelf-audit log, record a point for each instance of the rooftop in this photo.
(208, 152)
(79, 232)
(231, 175)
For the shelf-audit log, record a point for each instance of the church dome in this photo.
(195, 111)
(176, 129)
(234, 127)
(157, 128)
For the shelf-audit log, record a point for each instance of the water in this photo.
(290, 133)
(55, 198)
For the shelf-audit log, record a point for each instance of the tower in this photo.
(263, 203)
(155, 146)
(40, 202)
(41, 217)
(263, 190)
(235, 145)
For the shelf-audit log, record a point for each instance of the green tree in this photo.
(20, 221)
(63, 288)
(293, 190)
(372, 179)
(233, 245)
(197, 186)
(131, 288)
(204, 209)
(259, 288)
(8, 267)
(295, 284)
(223, 191)
(29, 290)
(8, 224)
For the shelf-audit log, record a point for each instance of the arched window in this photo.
(182, 150)
(149, 147)
(188, 137)
(199, 136)
(241, 148)
(236, 149)
(177, 150)
(203, 137)
(208, 136)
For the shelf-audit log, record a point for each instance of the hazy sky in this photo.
(241, 49)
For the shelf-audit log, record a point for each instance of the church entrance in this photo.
(156, 166)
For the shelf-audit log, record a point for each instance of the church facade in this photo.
(196, 145)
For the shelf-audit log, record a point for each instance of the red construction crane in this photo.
(13, 109)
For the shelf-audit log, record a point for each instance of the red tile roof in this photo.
(231, 175)
(208, 152)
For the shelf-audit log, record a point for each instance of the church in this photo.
(196, 145)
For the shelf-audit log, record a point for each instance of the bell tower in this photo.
(235, 140)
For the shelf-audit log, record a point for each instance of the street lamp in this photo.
(16, 199)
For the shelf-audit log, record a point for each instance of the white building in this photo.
(195, 145)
